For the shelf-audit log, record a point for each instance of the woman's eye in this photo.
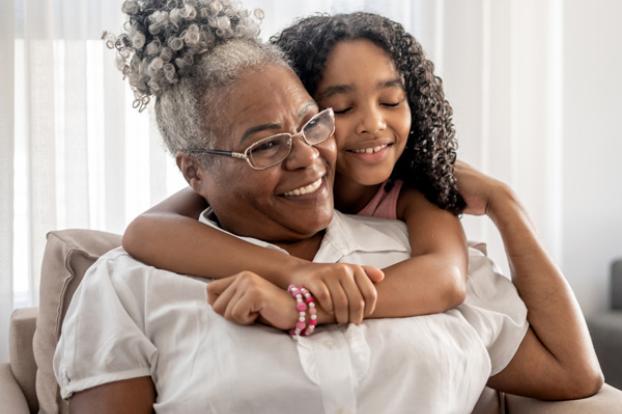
(266, 146)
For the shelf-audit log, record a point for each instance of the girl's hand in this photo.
(477, 189)
(246, 296)
(344, 290)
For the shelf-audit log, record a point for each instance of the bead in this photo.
(304, 302)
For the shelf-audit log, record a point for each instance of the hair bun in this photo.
(162, 38)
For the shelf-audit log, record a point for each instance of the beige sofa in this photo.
(27, 383)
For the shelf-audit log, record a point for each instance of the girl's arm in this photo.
(168, 236)
(433, 280)
(556, 359)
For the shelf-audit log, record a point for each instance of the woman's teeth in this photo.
(370, 150)
(306, 189)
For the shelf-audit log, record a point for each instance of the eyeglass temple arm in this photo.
(221, 152)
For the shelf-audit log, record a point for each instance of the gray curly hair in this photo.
(185, 53)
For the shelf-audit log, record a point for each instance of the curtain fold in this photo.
(42, 128)
(7, 152)
(73, 206)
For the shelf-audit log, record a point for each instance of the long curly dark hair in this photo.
(428, 159)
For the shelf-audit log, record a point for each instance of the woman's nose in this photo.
(302, 154)
(371, 121)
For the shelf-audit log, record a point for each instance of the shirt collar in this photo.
(345, 235)
(348, 234)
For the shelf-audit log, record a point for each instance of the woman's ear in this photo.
(191, 170)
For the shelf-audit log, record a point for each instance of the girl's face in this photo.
(360, 82)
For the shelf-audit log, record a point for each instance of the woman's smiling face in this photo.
(373, 119)
(286, 202)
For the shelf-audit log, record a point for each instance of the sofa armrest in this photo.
(21, 356)
(605, 402)
(12, 398)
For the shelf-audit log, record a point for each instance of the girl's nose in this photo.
(371, 122)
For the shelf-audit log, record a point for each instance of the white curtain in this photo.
(73, 153)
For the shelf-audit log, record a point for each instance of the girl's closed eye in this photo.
(340, 104)
(341, 110)
(391, 104)
(392, 101)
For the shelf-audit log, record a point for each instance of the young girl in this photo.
(396, 150)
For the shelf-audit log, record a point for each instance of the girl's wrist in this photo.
(286, 269)
(501, 200)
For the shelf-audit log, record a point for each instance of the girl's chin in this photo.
(369, 176)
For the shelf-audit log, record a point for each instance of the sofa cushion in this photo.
(68, 254)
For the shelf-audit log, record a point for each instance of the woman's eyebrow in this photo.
(258, 128)
(276, 127)
(306, 107)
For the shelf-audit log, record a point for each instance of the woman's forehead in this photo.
(270, 96)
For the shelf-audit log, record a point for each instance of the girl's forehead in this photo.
(357, 62)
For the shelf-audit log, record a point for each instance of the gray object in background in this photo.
(606, 330)
(616, 285)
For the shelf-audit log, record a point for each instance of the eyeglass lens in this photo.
(275, 149)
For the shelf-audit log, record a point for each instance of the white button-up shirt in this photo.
(129, 320)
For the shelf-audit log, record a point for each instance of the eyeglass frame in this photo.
(244, 154)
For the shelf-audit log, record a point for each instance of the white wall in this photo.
(592, 152)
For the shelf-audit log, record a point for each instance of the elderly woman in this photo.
(137, 338)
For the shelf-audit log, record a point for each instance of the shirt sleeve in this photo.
(102, 339)
(495, 310)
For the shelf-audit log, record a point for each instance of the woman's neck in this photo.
(304, 249)
(350, 196)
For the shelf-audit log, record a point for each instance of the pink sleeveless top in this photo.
(384, 203)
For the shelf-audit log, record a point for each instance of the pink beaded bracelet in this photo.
(310, 302)
(302, 306)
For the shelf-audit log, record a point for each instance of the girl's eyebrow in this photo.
(337, 89)
(393, 83)
(334, 90)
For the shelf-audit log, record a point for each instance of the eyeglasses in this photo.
(270, 151)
